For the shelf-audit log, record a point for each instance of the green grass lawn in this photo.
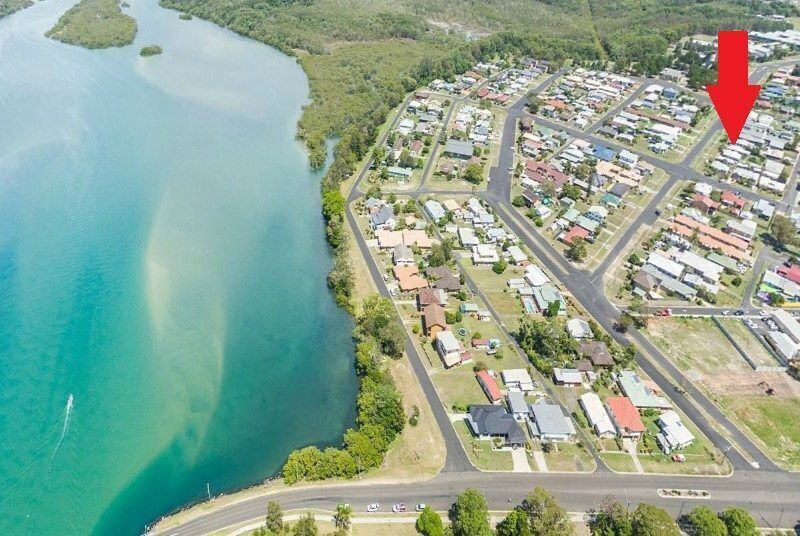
(480, 452)
(569, 457)
(754, 349)
(774, 421)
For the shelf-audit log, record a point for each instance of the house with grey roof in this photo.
(434, 210)
(517, 405)
(383, 218)
(488, 422)
(459, 149)
(549, 423)
(403, 256)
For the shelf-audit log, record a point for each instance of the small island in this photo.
(95, 24)
(150, 50)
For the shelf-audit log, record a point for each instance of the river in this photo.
(164, 319)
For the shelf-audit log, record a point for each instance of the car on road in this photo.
(420, 507)
(658, 212)
(399, 507)
(739, 313)
(664, 312)
(726, 312)
(373, 507)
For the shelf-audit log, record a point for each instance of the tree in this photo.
(783, 230)
(547, 517)
(473, 173)
(515, 524)
(553, 308)
(342, 516)
(612, 519)
(306, 526)
(577, 249)
(705, 522)
(274, 517)
(649, 520)
(429, 523)
(470, 515)
(739, 522)
(500, 266)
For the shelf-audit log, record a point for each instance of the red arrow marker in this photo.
(733, 95)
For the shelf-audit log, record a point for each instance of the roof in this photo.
(447, 340)
(597, 352)
(674, 431)
(550, 420)
(563, 375)
(495, 421)
(518, 377)
(516, 402)
(428, 295)
(434, 316)
(787, 324)
(640, 395)
(625, 413)
(489, 385)
(596, 413)
(459, 148)
(408, 278)
(579, 328)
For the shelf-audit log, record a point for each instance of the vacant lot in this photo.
(711, 361)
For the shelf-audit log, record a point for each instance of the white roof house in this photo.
(517, 405)
(518, 379)
(484, 254)
(467, 237)
(787, 324)
(710, 271)
(782, 344)
(448, 348)
(674, 434)
(596, 414)
(579, 328)
(435, 210)
(563, 376)
(535, 276)
(517, 255)
(665, 265)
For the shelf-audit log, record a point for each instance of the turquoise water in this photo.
(162, 260)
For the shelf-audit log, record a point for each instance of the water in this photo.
(162, 266)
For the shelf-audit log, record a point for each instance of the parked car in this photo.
(726, 312)
(399, 507)
(739, 313)
(373, 507)
(420, 507)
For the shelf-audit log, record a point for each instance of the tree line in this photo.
(539, 514)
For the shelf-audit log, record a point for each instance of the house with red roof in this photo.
(791, 272)
(704, 203)
(543, 172)
(575, 232)
(489, 386)
(733, 201)
(625, 417)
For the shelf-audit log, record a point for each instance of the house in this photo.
(489, 386)
(673, 435)
(488, 422)
(449, 348)
(783, 345)
(403, 256)
(568, 377)
(596, 414)
(549, 423)
(408, 278)
(383, 219)
(517, 256)
(518, 380)
(428, 296)
(704, 204)
(517, 405)
(484, 254)
(415, 149)
(575, 232)
(433, 319)
(579, 329)
(435, 210)
(641, 395)
(644, 282)
(598, 353)
(787, 324)
(545, 295)
(459, 149)
(443, 278)
(625, 417)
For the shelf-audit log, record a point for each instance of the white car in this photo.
(374, 507)
(420, 507)
(399, 507)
